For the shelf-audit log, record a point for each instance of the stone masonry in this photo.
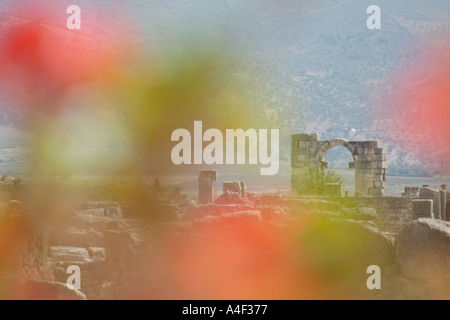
(307, 150)
(205, 186)
(429, 193)
(392, 212)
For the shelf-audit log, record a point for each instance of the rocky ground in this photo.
(281, 239)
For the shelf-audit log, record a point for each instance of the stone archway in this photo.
(307, 150)
(324, 151)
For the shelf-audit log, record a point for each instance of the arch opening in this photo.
(340, 160)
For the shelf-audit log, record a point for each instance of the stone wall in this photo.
(431, 203)
(392, 212)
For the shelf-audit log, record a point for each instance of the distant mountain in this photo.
(317, 66)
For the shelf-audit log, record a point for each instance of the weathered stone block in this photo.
(367, 165)
(373, 176)
(412, 192)
(429, 193)
(301, 137)
(443, 202)
(97, 252)
(75, 238)
(68, 254)
(373, 157)
(326, 145)
(382, 164)
(377, 184)
(379, 151)
(324, 164)
(422, 208)
(369, 144)
(301, 150)
(405, 211)
(368, 151)
(232, 186)
(305, 145)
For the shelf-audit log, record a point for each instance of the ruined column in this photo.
(370, 168)
(429, 193)
(205, 186)
(448, 206)
(304, 148)
(243, 190)
(443, 201)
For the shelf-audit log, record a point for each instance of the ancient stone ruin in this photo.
(109, 241)
(430, 203)
(307, 150)
(237, 187)
(403, 235)
(205, 186)
(370, 180)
